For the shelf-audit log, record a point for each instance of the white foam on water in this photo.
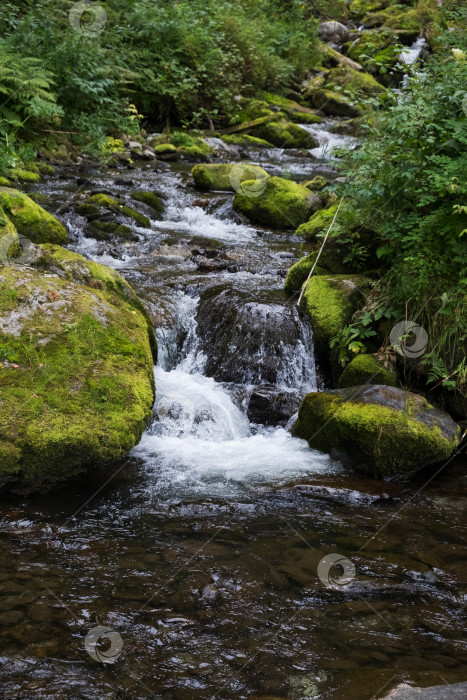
(197, 222)
(327, 140)
(410, 54)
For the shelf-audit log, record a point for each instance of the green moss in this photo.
(280, 204)
(371, 43)
(149, 198)
(298, 273)
(83, 389)
(322, 219)
(294, 111)
(382, 440)
(252, 109)
(245, 140)
(353, 81)
(103, 200)
(316, 184)
(366, 369)
(4, 182)
(45, 169)
(30, 219)
(395, 17)
(90, 211)
(164, 149)
(363, 7)
(285, 134)
(40, 198)
(330, 301)
(105, 230)
(332, 102)
(19, 175)
(195, 152)
(218, 177)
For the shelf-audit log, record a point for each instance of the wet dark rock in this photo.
(270, 406)
(246, 339)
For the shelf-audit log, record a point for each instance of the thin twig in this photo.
(318, 256)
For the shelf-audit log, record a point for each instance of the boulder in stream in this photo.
(76, 367)
(29, 219)
(280, 203)
(381, 430)
(226, 176)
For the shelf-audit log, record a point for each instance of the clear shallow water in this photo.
(201, 551)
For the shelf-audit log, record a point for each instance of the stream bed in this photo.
(200, 551)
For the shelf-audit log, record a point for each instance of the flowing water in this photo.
(201, 550)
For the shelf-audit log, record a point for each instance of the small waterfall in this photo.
(410, 55)
(327, 140)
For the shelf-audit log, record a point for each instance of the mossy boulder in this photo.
(106, 230)
(220, 177)
(335, 103)
(394, 17)
(4, 182)
(150, 199)
(370, 43)
(360, 8)
(367, 369)
(76, 368)
(252, 109)
(164, 149)
(330, 302)
(30, 219)
(246, 140)
(21, 175)
(381, 430)
(316, 184)
(293, 110)
(280, 204)
(322, 220)
(45, 169)
(298, 273)
(285, 134)
(355, 82)
(103, 201)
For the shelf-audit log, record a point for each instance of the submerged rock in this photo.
(29, 219)
(76, 368)
(381, 430)
(269, 405)
(250, 340)
(279, 203)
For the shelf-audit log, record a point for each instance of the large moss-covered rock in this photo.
(382, 430)
(23, 175)
(366, 369)
(356, 82)
(322, 220)
(220, 177)
(285, 134)
(298, 273)
(359, 8)
(281, 203)
(30, 219)
(293, 110)
(76, 367)
(246, 140)
(150, 199)
(330, 301)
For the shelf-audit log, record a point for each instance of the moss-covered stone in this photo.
(220, 177)
(322, 219)
(30, 219)
(366, 369)
(360, 8)
(293, 110)
(76, 368)
(382, 430)
(104, 201)
(330, 302)
(281, 204)
(106, 230)
(394, 17)
(331, 102)
(20, 175)
(4, 182)
(370, 43)
(246, 140)
(252, 109)
(194, 152)
(285, 134)
(149, 198)
(355, 82)
(45, 169)
(316, 184)
(298, 273)
(163, 149)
